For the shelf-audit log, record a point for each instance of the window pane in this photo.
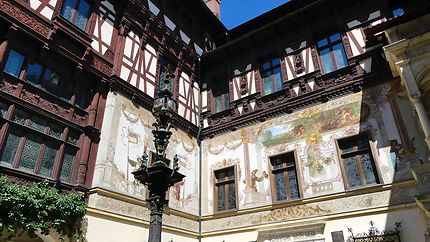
(65, 89)
(3, 109)
(221, 198)
(276, 62)
(9, 150)
(81, 96)
(326, 61)
(50, 81)
(30, 154)
(19, 116)
(14, 63)
(292, 181)
(48, 159)
(334, 37)
(322, 43)
(281, 193)
(266, 65)
(55, 131)
(73, 138)
(231, 195)
(267, 85)
(34, 71)
(68, 7)
(218, 104)
(66, 169)
(278, 79)
(226, 101)
(352, 172)
(38, 124)
(368, 169)
(83, 12)
(339, 56)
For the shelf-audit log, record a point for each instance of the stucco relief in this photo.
(140, 212)
(329, 207)
(312, 134)
(292, 212)
(128, 134)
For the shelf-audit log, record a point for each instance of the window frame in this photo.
(224, 105)
(271, 69)
(371, 151)
(330, 44)
(75, 13)
(294, 167)
(25, 131)
(225, 182)
(73, 85)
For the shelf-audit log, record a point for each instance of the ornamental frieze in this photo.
(138, 211)
(24, 18)
(317, 209)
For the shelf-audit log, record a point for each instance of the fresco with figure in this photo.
(312, 133)
(129, 136)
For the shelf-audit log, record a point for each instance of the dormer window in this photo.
(272, 76)
(77, 12)
(332, 53)
(167, 74)
(222, 102)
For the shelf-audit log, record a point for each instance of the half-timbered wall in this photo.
(299, 64)
(105, 31)
(139, 64)
(188, 99)
(43, 7)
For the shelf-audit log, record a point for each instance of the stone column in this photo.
(422, 116)
(414, 93)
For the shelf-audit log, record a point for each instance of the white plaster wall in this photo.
(238, 237)
(107, 230)
(412, 230)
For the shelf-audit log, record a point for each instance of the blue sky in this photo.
(236, 12)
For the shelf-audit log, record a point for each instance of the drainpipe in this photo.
(200, 153)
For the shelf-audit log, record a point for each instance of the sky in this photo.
(236, 12)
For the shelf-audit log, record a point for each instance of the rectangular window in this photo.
(284, 177)
(167, 74)
(358, 164)
(77, 12)
(35, 147)
(332, 53)
(272, 76)
(43, 77)
(222, 102)
(225, 189)
(14, 63)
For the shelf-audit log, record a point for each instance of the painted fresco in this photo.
(130, 135)
(312, 134)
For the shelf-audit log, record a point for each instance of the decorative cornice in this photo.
(281, 102)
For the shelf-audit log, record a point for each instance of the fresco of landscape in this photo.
(317, 123)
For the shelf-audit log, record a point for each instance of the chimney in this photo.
(214, 6)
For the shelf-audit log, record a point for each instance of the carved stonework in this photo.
(78, 119)
(138, 211)
(243, 85)
(347, 45)
(101, 65)
(293, 212)
(340, 205)
(29, 97)
(31, 22)
(298, 63)
(7, 87)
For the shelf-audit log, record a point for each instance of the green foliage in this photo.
(39, 208)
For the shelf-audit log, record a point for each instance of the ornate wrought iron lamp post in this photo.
(158, 177)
